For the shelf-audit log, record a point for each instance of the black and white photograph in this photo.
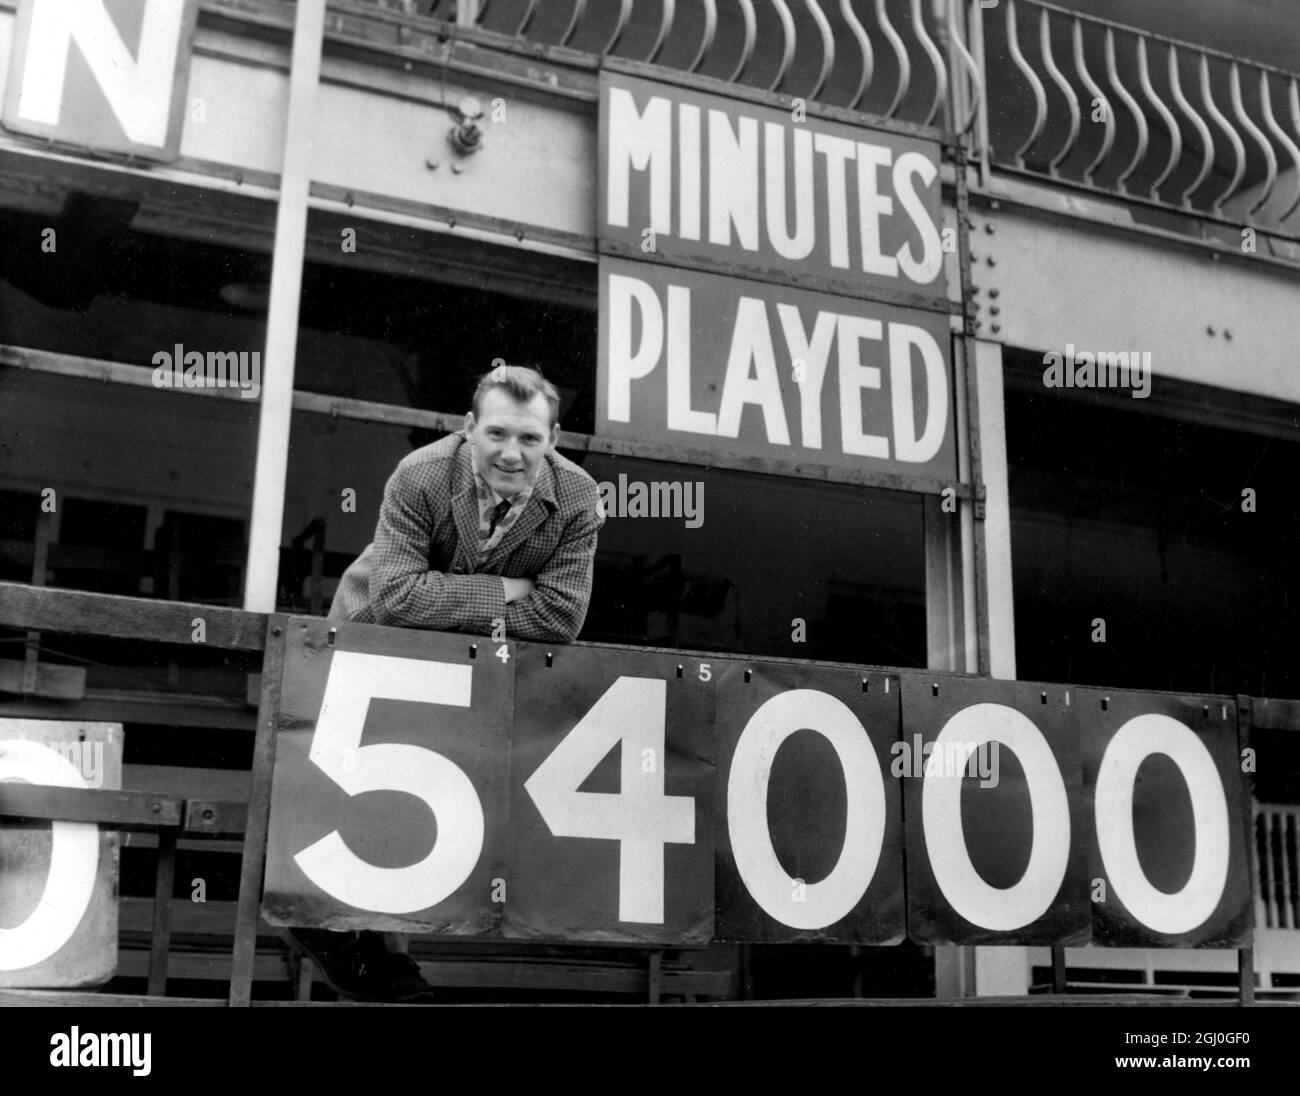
(631, 516)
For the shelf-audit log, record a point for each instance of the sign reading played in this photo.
(431, 782)
(108, 77)
(761, 370)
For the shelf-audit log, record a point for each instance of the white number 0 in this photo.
(354, 680)
(74, 860)
(639, 816)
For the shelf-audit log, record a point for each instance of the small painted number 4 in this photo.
(503, 653)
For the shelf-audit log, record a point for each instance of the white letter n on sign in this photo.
(135, 80)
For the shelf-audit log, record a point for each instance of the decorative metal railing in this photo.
(890, 58)
(1135, 114)
(1038, 88)
(1277, 860)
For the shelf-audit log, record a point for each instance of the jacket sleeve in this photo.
(403, 591)
(555, 610)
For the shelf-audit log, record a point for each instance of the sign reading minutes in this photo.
(748, 255)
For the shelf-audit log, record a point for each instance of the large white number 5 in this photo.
(354, 680)
(74, 861)
(639, 817)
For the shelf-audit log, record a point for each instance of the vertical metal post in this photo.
(262, 571)
(999, 595)
(975, 25)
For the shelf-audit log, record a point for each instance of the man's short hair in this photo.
(522, 383)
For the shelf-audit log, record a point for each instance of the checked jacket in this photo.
(423, 569)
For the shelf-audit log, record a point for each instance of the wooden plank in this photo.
(216, 817)
(519, 976)
(189, 783)
(113, 809)
(137, 706)
(82, 557)
(76, 612)
(1271, 714)
(390, 414)
(188, 918)
(259, 812)
(35, 998)
(232, 846)
(204, 966)
(304, 975)
(52, 681)
(1058, 970)
(161, 934)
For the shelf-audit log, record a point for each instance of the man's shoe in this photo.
(359, 967)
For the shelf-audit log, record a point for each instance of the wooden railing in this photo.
(166, 816)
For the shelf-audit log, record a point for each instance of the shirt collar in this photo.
(486, 492)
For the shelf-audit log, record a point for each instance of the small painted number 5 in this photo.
(705, 673)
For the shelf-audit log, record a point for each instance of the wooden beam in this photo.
(160, 938)
(259, 813)
(393, 415)
(216, 817)
(1246, 976)
(112, 809)
(52, 680)
(136, 706)
(50, 998)
(1269, 714)
(77, 612)
(135, 917)
(1058, 969)
(189, 783)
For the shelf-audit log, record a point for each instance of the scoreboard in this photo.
(448, 783)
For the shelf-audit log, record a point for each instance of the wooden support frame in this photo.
(160, 938)
(259, 814)
(1059, 976)
(43, 361)
(130, 811)
(171, 817)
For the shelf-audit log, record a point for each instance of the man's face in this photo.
(510, 439)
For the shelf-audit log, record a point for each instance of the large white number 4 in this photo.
(633, 712)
